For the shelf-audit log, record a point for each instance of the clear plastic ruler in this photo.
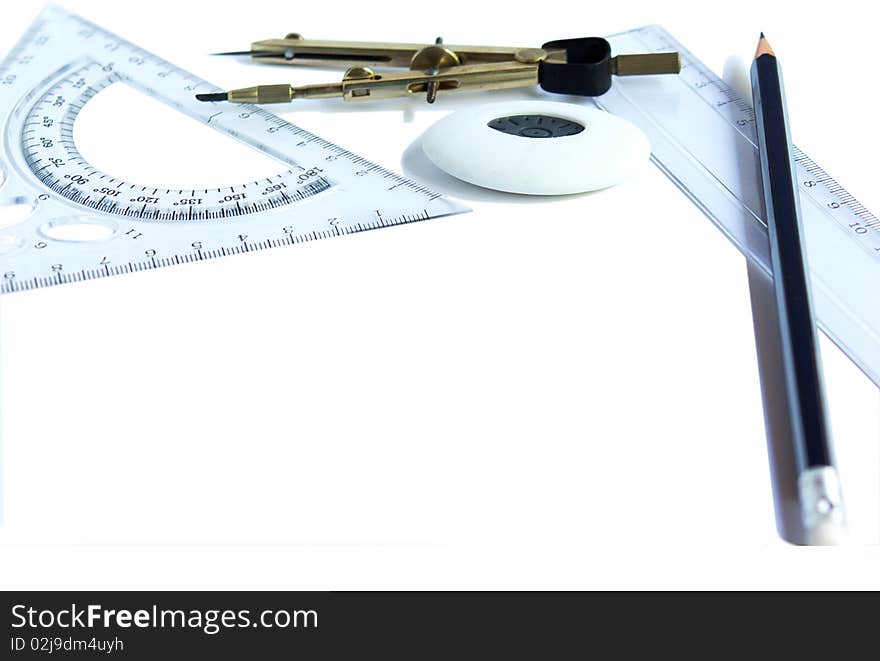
(703, 137)
(66, 221)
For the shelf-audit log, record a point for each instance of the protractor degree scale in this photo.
(63, 220)
(52, 156)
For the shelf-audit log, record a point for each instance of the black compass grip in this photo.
(586, 72)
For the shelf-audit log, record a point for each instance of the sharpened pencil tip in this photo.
(216, 96)
(764, 47)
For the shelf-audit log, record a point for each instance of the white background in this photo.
(552, 394)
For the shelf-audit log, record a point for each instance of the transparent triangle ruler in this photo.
(703, 137)
(74, 222)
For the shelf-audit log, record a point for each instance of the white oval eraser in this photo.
(537, 147)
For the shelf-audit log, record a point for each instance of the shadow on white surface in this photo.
(777, 420)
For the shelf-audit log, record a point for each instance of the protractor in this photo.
(110, 166)
(52, 155)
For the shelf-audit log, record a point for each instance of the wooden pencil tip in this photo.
(764, 47)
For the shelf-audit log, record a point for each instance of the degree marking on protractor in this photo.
(52, 155)
(60, 46)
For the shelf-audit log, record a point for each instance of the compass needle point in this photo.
(252, 53)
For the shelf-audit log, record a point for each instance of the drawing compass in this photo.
(582, 67)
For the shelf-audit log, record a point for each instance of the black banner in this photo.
(242, 625)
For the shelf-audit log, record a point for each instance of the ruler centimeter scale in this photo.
(818, 185)
(82, 223)
(702, 136)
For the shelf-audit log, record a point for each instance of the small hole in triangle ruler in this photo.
(14, 212)
(79, 230)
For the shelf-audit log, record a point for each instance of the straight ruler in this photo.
(703, 137)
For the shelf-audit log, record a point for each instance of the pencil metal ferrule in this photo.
(821, 498)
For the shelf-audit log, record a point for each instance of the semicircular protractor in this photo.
(63, 219)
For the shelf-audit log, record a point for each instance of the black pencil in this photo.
(821, 504)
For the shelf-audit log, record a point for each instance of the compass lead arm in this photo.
(361, 83)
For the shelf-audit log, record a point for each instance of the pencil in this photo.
(819, 488)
